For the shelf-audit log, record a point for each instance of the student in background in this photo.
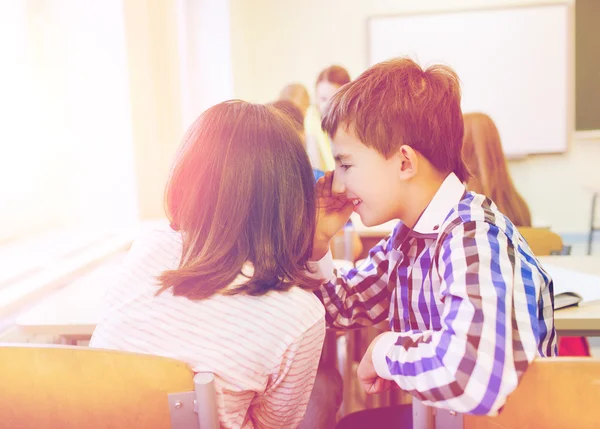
(297, 119)
(224, 286)
(293, 112)
(469, 306)
(297, 94)
(318, 144)
(482, 152)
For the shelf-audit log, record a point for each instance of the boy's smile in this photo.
(366, 178)
(357, 202)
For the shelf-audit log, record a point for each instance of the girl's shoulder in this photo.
(155, 244)
(295, 310)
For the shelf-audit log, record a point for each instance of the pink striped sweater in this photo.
(264, 351)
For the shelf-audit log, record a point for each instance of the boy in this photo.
(469, 306)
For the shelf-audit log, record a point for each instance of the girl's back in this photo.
(263, 350)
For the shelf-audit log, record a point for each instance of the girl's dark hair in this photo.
(241, 190)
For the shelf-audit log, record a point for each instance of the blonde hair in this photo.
(482, 152)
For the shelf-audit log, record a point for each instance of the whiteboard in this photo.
(514, 64)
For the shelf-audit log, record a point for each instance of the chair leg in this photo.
(344, 364)
(206, 400)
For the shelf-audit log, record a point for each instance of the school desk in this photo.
(71, 313)
(584, 319)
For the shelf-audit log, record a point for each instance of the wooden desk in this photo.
(583, 320)
(72, 312)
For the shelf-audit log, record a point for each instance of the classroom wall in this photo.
(559, 188)
(91, 134)
(274, 43)
(178, 53)
(153, 58)
(65, 137)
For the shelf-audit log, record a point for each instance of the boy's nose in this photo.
(338, 186)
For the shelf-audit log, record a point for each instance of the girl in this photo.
(482, 152)
(224, 286)
(317, 142)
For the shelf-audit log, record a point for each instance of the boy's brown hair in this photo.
(397, 103)
(241, 190)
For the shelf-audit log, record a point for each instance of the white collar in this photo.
(447, 196)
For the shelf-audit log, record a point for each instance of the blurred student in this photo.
(318, 144)
(482, 152)
(224, 286)
(297, 118)
(297, 94)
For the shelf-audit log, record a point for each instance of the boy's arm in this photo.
(360, 297)
(475, 361)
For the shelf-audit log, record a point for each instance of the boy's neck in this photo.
(421, 191)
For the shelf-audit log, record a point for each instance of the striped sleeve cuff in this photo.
(323, 268)
(382, 347)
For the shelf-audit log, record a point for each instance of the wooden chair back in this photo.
(542, 241)
(76, 387)
(554, 393)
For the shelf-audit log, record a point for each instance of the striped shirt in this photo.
(468, 304)
(263, 350)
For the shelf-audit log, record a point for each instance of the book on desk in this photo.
(573, 287)
(566, 299)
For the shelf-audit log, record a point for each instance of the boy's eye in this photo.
(345, 166)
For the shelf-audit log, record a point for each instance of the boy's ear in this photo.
(409, 162)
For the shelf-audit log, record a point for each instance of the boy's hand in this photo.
(367, 375)
(333, 211)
